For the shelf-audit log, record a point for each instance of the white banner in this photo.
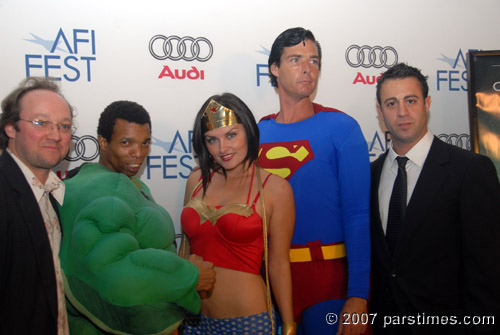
(170, 56)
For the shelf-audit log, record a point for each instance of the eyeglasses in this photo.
(66, 128)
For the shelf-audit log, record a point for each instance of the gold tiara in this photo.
(217, 116)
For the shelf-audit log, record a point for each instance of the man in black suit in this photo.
(36, 126)
(436, 240)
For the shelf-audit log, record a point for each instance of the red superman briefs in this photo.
(308, 279)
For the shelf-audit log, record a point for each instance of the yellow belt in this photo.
(329, 252)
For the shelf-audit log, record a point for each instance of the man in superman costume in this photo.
(121, 271)
(323, 154)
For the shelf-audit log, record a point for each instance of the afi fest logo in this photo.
(177, 48)
(366, 57)
(68, 56)
(178, 159)
(454, 78)
(263, 69)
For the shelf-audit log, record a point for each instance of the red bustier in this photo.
(229, 236)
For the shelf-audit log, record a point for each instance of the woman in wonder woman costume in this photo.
(235, 215)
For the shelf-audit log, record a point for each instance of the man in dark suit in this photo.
(35, 125)
(436, 240)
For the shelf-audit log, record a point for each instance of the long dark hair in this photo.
(206, 162)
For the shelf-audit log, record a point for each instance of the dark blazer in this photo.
(447, 260)
(28, 293)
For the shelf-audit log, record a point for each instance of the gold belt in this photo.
(328, 251)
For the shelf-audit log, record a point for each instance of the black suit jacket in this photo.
(447, 259)
(28, 293)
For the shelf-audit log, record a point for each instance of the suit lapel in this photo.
(35, 224)
(429, 182)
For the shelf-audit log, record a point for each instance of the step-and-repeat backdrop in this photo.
(170, 56)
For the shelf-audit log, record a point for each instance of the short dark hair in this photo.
(243, 113)
(289, 38)
(127, 110)
(401, 71)
(11, 107)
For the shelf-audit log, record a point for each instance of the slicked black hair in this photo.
(289, 38)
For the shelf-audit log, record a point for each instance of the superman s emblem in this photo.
(284, 158)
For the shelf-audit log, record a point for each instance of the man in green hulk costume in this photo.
(122, 274)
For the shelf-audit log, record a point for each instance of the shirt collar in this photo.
(418, 153)
(34, 183)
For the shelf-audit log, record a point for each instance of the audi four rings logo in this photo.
(85, 148)
(176, 48)
(367, 56)
(461, 141)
